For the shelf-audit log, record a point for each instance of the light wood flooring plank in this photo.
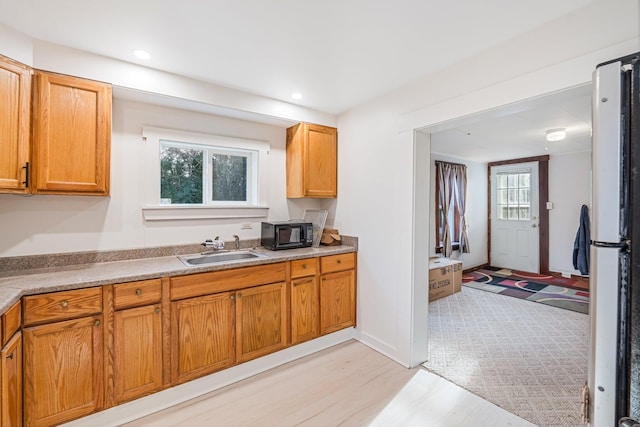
(349, 384)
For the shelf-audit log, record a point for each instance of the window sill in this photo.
(454, 246)
(178, 213)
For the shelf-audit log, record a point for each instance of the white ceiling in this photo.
(337, 53)
(518, 130)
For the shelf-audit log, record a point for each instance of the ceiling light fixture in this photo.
(556, 134)
(142, 54)
(296, 95)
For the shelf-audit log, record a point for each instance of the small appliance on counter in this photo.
(286, 234)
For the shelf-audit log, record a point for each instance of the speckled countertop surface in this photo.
(68, 277)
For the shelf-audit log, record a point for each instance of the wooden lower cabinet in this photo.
(337, 301)
(261, 320)
(202, 336)
(137, 353)
(305, 309)
(11, 375)
(63, 370)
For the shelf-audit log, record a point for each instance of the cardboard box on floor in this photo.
(445, 277)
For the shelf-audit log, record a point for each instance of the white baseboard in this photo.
(172, 396)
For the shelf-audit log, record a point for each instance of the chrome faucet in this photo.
(237, 239)
(215, 244)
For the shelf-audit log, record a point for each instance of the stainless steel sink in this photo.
(214, 258)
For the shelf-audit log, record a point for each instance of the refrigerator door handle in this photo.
(623, 244)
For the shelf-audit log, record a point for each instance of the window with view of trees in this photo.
(200, 174)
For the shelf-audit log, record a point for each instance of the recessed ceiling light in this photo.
(142, 54)
(296, 95)
(556, 134)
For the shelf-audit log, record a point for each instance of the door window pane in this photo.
(513, 196)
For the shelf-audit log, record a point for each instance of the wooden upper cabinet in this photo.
(15, 93)
(71, 135)
(312, 161)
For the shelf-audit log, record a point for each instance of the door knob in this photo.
(534, 225)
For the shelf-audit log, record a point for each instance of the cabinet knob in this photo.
(239, 294)
(157, 310)
(232, 297)
(64, 303)
(339, 261)
(10, 356)
(304, 266)
(138, 291)
(97, 323)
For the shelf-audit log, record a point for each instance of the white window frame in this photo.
(254, 207)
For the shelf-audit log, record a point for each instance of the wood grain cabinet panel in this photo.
(304, 267)
(63, 371)
(137, 352)
(261, 320)
(312, 161)
(337, 301)
(61, 305)
(202, 336)
(305, 309)
(11, 322)
(11, 375)
(15, 109)
(338, 262)
(135, 294)
(71, 135)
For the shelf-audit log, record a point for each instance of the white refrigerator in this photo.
(614, 359)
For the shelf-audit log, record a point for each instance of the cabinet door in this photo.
(15, 93)
(63, 371)
(71, 135)
(137, 351)
(202, 336)
(11, 374)
(305, 319)
(337, 301)
(261, 320)
(321, 162)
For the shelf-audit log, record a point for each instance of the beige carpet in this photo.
(528, 358)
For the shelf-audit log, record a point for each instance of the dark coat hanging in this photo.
(582, 242)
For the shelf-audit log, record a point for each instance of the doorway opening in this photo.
(489, 141)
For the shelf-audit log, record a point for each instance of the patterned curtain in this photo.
(452, 181)
(460, 182)
(444, 176)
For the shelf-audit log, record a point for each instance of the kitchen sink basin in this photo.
(215, 258)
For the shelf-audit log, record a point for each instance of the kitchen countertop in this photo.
(69, 277)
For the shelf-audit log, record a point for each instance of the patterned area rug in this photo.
(547, 290)
(530, 359)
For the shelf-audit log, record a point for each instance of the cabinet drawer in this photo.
(136, 294)
(340, 262)
(11, 322)
(304, 267)
(196, 285)
(62, 305)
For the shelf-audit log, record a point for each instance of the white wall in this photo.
(569, 189)
(49, 224)
(476, 211)
(376, 202)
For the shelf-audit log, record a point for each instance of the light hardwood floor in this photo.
(348, 385)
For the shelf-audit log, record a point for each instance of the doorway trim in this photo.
(543, 195)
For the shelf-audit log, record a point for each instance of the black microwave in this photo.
(286, 235)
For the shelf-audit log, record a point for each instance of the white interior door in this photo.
(515, 236)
